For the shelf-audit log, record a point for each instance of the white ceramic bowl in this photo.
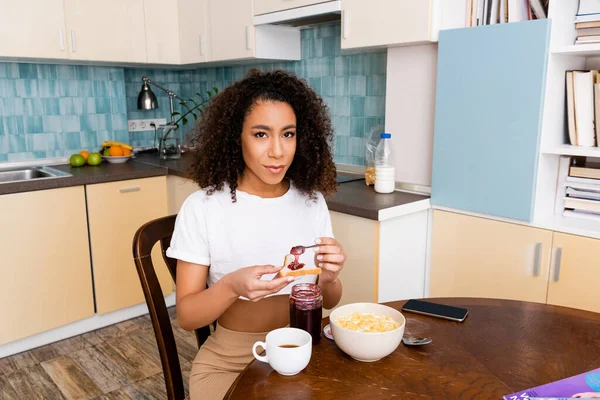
(116, 159)
(367, 346)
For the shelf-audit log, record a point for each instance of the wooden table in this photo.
(502, 347)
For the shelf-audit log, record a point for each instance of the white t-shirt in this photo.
(226, 236)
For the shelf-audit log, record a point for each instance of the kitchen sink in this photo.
(30, 173)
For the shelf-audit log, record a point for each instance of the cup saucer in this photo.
(327, 332)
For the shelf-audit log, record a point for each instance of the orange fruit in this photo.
(115, 151)
(85, 154)
(126, 152)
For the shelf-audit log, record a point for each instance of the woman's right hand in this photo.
(246, 282)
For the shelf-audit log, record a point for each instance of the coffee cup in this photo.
(288, 350)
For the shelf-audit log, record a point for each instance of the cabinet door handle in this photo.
(61, 40)
(557, 264)
(537, 259)
(345, 24)
(73, 41)
(249, 38)
(202, 38)
(131, 189)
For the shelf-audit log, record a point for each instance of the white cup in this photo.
(286, 360)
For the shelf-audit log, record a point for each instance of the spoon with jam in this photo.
(297, 251)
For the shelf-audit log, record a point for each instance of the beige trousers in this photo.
(219, 361)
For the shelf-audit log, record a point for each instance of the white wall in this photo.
(409, 110)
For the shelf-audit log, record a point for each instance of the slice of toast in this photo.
(306, 270)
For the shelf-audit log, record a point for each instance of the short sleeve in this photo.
(325, 229)
(190, 238)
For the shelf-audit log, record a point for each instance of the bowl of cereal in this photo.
(367, 331)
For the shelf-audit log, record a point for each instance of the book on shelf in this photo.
(582, 204)
(578, 188)
(584, 385)
(491, 12)
(591, 169)
(583, 107)
(581, 215)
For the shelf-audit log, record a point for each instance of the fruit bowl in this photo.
(117, 159)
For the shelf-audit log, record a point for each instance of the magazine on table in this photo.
(582, 386)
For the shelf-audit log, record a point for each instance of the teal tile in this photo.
(101, 136)
(341, 65)
(328, 86)
(3, 70)
(3, 147)
(121, 135)
(48, 88)
(341, 145)
(52, 123)
(357, 127)
(307, 34)
(342, 106)
(82, 73)
(357, 85)
(66, 72)
(357, 107)
(1, 126)
(70, 123)
(374, 125)
(32, 106)
(66, 106)
(314, 68)
(87, 122)
(374, 106)
(36, 142)
(133, 75)
(132, 89)
(50, 106)
(8, 88)
(85, 89)
(68, 88)
(315, 83)
(356, 146)
(100, 73)
(103, 105)
(375, 85)
(342, 85)
(119, 122)
(28, 71)
(33, 124)
(13, 125)
(356, 64)
(27, 88)
(118, 105)
(12, 71)
(17, 144)
(330, 46)
(52, 141)
(70, 140)
(330, 103)
(46, 71)
(227, 73)
(116, 89)
(307, 49)
(341, 125)
(328, 66)
(375, 63)
(101, 89)
(89, 140)
(116, 74)
(3, 157)
(103, 122)
(12, 106)
(23, 156)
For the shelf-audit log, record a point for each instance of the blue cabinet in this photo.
(489, 100)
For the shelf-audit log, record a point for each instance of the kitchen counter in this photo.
(354, 197)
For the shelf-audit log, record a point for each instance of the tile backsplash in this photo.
(56, 110)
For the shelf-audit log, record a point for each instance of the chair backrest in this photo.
(145, 238)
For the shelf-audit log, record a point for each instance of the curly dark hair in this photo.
(217, 135)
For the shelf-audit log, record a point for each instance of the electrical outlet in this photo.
(139, 125)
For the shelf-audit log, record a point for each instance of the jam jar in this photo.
(306, 309)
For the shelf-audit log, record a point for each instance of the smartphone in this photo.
(436, 310)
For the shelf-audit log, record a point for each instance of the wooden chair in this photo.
(145, 238)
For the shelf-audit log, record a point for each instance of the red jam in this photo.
(296, 252)
(306, 309)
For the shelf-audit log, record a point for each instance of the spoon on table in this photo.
(415, 340)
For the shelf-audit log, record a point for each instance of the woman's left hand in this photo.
(330, 257)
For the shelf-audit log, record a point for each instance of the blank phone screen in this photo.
(436, 309)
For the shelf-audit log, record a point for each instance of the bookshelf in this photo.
(564, 55)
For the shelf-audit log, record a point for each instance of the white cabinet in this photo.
(32, 28)
(193, 33)
(269, 6)
(109, 30)
(231, 29)
(162, 31)
(385, 22)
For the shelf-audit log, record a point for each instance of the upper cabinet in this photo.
(33, 28)
(488, 116)
(162, 31)
(193, 32)
(385, 22)
(231, 28)
(106, 30)
(269, 6)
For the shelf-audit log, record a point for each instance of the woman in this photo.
(263, 162)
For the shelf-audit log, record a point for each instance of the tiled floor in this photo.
(116, 362)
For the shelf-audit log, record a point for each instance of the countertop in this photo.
(354, 198)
